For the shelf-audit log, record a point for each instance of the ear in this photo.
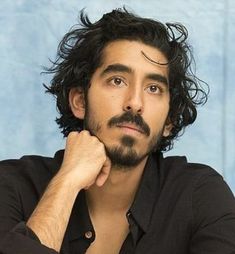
(77, 102)
(167, 128)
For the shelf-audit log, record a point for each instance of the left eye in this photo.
(153, 89)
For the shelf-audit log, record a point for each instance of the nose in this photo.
(134, 101)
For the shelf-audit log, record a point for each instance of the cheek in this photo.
(108, 106)
(99, 97)
(101, 110)
(157, 117)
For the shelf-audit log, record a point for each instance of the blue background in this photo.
(29, 34)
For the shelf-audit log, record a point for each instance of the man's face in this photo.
(128, 101)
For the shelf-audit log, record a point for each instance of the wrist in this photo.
(66, 180)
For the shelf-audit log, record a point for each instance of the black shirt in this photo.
(179, 208)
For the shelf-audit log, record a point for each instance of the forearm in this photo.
(50, 218)
(84, 164)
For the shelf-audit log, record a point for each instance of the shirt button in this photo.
(128, 214)
(88, 234)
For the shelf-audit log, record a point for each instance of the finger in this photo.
(104, 173)
(88, 186)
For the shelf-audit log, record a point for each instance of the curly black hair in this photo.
(80, 54)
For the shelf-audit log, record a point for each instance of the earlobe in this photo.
(167, 128)
(77, 102)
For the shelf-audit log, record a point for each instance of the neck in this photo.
(118, 192)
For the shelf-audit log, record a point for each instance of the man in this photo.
(124, 91)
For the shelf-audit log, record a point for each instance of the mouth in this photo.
(130, 128)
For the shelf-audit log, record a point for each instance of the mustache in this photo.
(129, 117)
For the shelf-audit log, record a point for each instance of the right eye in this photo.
(116, 81)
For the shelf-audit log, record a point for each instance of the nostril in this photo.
(128, 108)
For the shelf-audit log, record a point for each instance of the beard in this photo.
(124, 156)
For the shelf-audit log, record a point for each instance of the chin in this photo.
(122, 157)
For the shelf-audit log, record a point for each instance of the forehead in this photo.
(136, 55)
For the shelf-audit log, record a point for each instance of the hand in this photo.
(85, 161)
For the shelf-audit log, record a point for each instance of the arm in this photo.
(84, 164)
(214, 217)
(15, 236)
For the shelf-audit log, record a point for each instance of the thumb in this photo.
(104, 173)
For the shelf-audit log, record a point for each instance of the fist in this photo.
(85, 161)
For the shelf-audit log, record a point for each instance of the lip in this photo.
(130, 127)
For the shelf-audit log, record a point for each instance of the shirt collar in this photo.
(80, 221)
(147, 194)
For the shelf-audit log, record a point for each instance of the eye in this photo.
(154, 89)
(117, 81)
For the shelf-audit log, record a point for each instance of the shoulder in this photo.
(198, 182)
(209, 193)
(30, 169)
(26, 164)
(177, 167)
(197, 189)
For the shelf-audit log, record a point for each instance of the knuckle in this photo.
(102, 146)
(102, 151)
(94, 139)
(70, 137)
(71, 134)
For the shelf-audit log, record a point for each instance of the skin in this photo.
(126, 82)
(110, 189)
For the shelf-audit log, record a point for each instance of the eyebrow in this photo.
(123, 68)
(116, 68)
(158, 77)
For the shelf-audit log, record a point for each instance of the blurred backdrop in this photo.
(30, 31)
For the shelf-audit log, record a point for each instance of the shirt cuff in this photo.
(21, 239)
(21, 228)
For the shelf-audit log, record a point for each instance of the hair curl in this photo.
(79, 54)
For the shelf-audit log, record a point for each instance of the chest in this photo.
(110, 235)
